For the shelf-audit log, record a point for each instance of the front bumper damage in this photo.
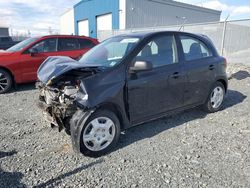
(57, 114)
(70, 117)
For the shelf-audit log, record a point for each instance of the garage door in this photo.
(104, 22)
(83, 27)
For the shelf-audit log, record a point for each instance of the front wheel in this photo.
(215, 98)
(100, 133)
(5, 81)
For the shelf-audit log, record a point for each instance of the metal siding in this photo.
(90, 9)
(145, 13)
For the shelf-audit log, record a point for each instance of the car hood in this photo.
(55, 66)
(4, 53)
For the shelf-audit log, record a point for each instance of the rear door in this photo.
(151, 93)
(74, 47)
(200, 66)
(69, 46)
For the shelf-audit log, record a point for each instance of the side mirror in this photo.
(33, 51)
(141, 66)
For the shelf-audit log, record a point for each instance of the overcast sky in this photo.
(38, 16)
(34, 15)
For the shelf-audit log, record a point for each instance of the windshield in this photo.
(21, 45)
(110, 52)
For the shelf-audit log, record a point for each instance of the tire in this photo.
(213, 103)
(5, 81)
(102, 139)
(67, 131)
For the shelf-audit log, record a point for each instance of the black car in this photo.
(128, 80)
(7, 42)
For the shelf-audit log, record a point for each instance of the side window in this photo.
(85, 43)
(47, 45)
(66, 44)
(160, 51)
(194, 49)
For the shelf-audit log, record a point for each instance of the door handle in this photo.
(211, 67)
(175, 75)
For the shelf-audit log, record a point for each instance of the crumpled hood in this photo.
(55, 66)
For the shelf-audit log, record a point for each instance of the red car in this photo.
(19, 64)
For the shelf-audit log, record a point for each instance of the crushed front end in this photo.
(60, 90)
(57, 104)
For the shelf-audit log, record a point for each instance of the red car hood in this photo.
(5, 53)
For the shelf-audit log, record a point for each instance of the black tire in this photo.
(98, 114)
(209, 106)
(5, 81)
(67, 131)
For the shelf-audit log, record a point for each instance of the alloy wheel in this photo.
(3, 82)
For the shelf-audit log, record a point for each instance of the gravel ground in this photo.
(190, 149)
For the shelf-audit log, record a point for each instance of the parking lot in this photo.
(189, 149)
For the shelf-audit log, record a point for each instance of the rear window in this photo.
(65, 44)
(85, 43)
(194, 48)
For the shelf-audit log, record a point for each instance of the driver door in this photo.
(31, 62)
(154, 92)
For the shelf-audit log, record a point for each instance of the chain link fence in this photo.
(231, 38)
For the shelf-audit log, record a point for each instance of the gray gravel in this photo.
(190, 149)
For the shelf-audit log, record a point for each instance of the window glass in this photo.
(47, 45)
(160, 51)
(194, 48)
(21, 45)
(65, 44)
(110, 52)
(85, 43)
(116, 50)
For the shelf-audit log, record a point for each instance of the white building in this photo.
(67, 23)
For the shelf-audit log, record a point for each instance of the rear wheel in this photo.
(215, 98)
(5, 81)
(100, 133)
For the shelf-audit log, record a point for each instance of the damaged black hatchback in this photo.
(127, 80)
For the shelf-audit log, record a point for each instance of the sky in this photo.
(37, 17)
(235, 9)
(33, 16)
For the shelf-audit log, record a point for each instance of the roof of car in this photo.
(149, 33)
(73, 36)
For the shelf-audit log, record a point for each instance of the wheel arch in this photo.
(9, 71)
(115, 109)
(224, 82)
